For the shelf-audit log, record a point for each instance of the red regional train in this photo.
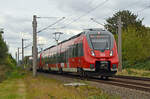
(92, 52)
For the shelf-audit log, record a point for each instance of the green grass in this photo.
(9, 89)
(140, 69)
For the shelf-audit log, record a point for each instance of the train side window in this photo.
(73, 50)
(70, 51)
(64, 55)
(73, 53)
(52, 59)
(67, 54)
(80, 49)
(76, 50)
(79, 52)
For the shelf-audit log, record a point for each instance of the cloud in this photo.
(73, 6)
(16, 18)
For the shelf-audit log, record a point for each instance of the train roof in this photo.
(49, 47)
(91, 30)
(75, 36)
(95, 30)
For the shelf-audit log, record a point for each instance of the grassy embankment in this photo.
(3, 70)
(24, 86)
(141, 69)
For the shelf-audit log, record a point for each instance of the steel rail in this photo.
(132, 77)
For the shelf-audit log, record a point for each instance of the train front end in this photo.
(101, 55)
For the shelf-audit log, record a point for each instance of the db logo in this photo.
(102, 54)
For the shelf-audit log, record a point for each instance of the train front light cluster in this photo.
(111, 53)
(92, 52)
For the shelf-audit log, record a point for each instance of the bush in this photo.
(3, 50)
(135, 44)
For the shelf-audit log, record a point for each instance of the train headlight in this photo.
(111, 53)
(92, 52)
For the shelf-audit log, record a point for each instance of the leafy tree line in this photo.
(3, 49)
(5, 57)
(135, 38)
(128, 19)
(7, 63)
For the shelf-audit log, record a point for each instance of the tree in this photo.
(128, 18)
(3, 49)
(135, 44)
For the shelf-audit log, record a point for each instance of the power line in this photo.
(147, 7)
(97, 21)
(28, 45)
(99, 5)
(134, 3)
(51, 25)
(47, 17)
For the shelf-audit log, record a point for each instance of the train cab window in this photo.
(100, 42)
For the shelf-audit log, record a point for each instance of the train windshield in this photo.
(100, 41)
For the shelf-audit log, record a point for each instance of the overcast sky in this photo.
(16, 18)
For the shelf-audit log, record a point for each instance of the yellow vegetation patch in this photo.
(46, 88)
(134, 72)
(40, 87)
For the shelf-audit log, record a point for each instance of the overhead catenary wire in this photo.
(114, 10)
(29, 45)
(50, 25)
(47, 17)
(91, 10)
(99, 5)
(96, 21)
(141, 10)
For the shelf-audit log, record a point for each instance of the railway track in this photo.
(121, 81)
(132, 77)
(126, 84)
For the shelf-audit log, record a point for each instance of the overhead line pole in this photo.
(23, 52)
(120, 44)
(18, 55)
(34, 25)
(34, 49)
